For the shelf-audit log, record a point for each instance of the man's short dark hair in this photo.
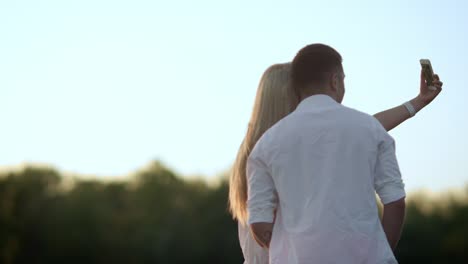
(313, 64)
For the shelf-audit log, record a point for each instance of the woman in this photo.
(273, 102)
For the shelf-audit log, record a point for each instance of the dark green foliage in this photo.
(158, 217)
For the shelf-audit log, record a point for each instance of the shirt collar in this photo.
(317, 102)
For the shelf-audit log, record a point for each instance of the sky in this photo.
(104, 87)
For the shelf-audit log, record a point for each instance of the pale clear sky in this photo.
(103, 87)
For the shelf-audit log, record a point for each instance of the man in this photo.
(319, 168)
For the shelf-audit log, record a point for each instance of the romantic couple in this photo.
(304, 181)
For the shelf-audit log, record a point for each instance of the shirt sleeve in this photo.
(262, 197)
(387, 181)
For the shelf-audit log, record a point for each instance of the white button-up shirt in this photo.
(320, 167)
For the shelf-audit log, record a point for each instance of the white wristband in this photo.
(410, 108)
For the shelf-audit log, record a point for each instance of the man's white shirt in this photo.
(320, 168)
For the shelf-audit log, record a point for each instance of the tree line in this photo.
(157, 216)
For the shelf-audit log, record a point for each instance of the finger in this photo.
(438, 85)
(423, 80)
(436, 77)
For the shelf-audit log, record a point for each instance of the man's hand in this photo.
(262, 233)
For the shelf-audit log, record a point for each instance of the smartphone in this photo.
(428, 72)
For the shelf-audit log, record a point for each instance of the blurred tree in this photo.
(158, 217)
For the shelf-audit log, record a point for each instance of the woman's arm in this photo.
(391, 118)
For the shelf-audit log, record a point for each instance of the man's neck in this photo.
(333, 96)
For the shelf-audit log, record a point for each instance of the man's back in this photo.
(320, 167)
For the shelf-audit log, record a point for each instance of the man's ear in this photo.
(334, 81)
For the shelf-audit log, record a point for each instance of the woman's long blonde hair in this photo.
(274, 100)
